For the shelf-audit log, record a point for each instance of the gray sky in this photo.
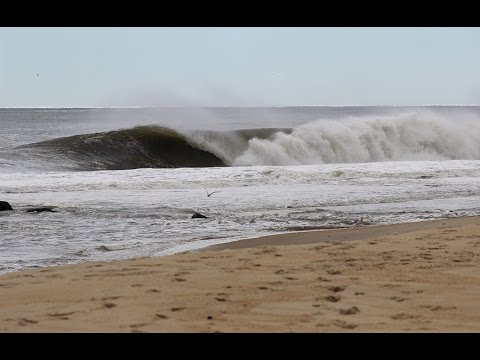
(103, 67)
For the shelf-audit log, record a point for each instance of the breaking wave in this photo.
(359, 140)
(415, 136)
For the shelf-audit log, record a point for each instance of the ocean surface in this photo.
(124, 183)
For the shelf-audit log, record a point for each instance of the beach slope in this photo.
(419, 277)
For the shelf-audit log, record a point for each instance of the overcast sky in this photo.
(104, 67)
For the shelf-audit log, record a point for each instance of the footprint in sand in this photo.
(243, 268)
(336, 288)
(175, 309)
(25, 321)
(180, 273)
(426, 306)
(150, 291)
(61, 314)
(350, 311)
(139, 325)
(275, 282)
(161, 316)
(109, 305)
(265, 251)
(344, 324)
(442, 308)
(333, 272)
(404, 316)
(397, 298)
(332, 298)
(131, 268)
(390, 285)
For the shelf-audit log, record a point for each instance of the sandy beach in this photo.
(416, 277)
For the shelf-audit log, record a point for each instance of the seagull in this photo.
(210, 194)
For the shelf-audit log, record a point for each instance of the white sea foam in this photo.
(145, 212)
(410, 136)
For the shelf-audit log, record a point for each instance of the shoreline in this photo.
(409, 277)
(340, 234)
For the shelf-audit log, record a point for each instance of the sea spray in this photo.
(412, 136)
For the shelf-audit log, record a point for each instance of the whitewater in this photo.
(124, 182)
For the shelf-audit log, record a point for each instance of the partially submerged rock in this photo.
(40, 209)
(197, 215)
(5, 206)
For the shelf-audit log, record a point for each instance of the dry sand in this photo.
(421, 277)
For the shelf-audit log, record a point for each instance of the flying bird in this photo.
(210, 194)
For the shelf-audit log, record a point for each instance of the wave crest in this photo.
(357, 140)
(402, 137)
(139, 147)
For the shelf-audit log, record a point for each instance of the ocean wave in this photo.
(139, 147)
(416, 136)
(405, 137)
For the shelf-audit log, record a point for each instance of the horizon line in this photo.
(226, 106)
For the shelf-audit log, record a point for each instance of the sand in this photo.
(418, 277)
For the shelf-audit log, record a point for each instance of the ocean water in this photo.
(124, 183)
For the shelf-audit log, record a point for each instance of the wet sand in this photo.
(416, 277)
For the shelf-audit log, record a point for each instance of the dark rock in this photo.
(197, 215)
(40, 209)
(5, 206)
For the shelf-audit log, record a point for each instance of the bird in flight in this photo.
(210, 194)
